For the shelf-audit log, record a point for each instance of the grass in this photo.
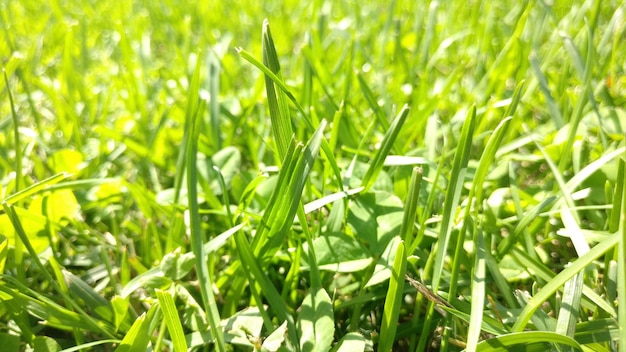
(407, 176)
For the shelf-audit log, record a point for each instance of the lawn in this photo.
(295, 176)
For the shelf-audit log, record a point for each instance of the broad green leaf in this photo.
(34, 225)
(67, 160)
(9, 342)
(316, 325)
(350, 342)
(393, 301)
(334, 252)
(175, 265)
(384, 266)
(45, 344)
(241, 329)
(58, 206)
(193, 315)
(275, 342)
(375, 218)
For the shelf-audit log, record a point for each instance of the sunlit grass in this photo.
(402, 176)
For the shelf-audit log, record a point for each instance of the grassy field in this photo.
(313, 176)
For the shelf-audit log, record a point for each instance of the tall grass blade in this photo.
(453, 194)
(384, 150)
(393, 301)
(138, 337)
(16, 136)
(328, 153)
(371, 100)
(583, 98)
(527, 341)
(618, 196)
(170, 314)
(276, 100)
(195, 230)
(34, 189)
(214, 105)
(478, 293)
(286, 197)
(555, 113)
(278, 306)
(568, 314)
(559, 280)
(621, 268)
(410, 206)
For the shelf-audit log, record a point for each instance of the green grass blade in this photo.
(4, 251)
(621, 269)
(583, 97)
(453, 194)
(568, 314)
(280, 84)
(385, 148)
(278, 306)
(410, 207)
(277, 101)
(287, 195)
(478, 293)
(528, 341)
(321, 202)
(214, 106)
(587, 172)
(618, 196)
(35, 189)
(195, 231)
(138, 337)
(555, 113)
(16, 136)
(170, 314)
(559, 280)
(371, 100)
(393, 301)
(19, 230)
